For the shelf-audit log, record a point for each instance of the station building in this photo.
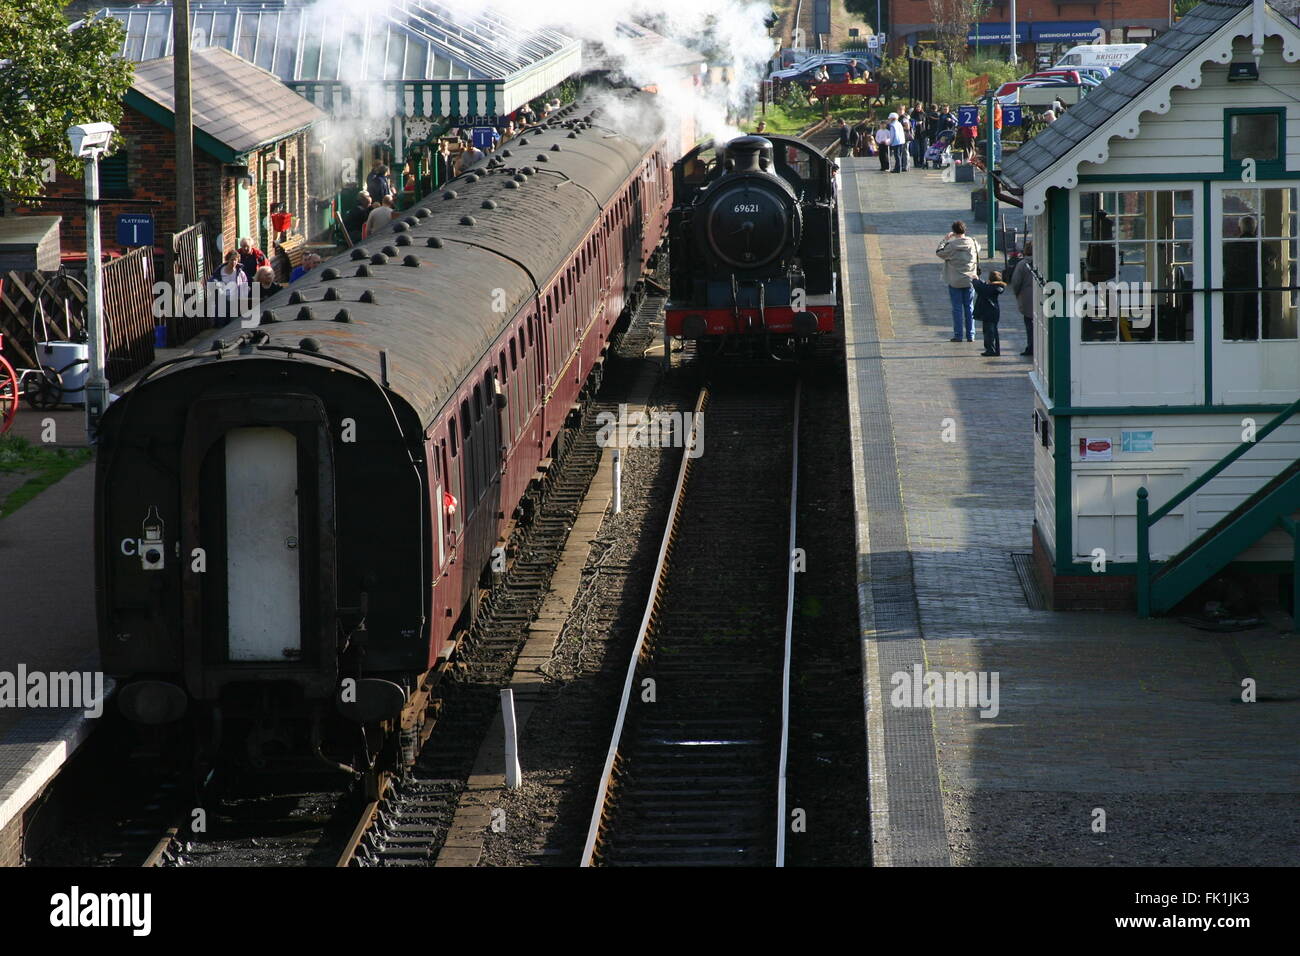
(393, 76)
(1181, 172)
(249, 155)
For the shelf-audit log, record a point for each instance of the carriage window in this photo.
(451, 430)
(478, 404)
(513, 365)
(1135, 257)
(1259, 253)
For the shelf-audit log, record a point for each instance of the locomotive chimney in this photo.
(749, 154)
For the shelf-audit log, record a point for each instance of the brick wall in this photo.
(1082, 592)
(11, 842)
(151, 174)
(909, 16)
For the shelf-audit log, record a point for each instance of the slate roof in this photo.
(1119, 89)
(235, 102)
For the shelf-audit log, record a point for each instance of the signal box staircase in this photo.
(1272, 506)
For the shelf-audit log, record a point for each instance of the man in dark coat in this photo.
(1241, 270)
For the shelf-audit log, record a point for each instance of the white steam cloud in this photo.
(729, 33)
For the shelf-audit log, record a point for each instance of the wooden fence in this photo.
(195, 256)
(51, 306)
(128, 313)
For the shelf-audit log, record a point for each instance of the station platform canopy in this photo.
(407, 57)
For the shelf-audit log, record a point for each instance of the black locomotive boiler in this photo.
(754, 243)
(294, 519)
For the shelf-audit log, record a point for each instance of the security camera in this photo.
(90, 140)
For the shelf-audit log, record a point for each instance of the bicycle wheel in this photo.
(8, 395)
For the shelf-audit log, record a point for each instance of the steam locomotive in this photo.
(754, 237)
(293, 520)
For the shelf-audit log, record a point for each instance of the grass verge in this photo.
(46, 466)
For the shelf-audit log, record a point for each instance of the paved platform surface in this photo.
(1098, 713)
(47, 623)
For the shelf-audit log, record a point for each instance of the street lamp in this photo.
(89, 142)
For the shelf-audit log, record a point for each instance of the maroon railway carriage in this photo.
(313, 500)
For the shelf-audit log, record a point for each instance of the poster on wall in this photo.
(1096, 449)
(1137, 441)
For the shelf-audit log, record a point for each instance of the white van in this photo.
(1113, 55)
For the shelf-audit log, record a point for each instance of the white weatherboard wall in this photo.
(1045, 482)
(1189, 138)
(1104, 505)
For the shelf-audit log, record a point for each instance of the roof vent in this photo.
(388, 251)
(555, 147)
(423, 212)
(468, 221)
(410, 221)
(506, 153)
(412, 261)
(331, 294)
(450, 194)
(369, 297)
(343, 316)
(295, 298)
(400, 227)
(359, 253)
(403, 240)
(523, 140)
(330, 273)
(309, 345)
(268, 318)
(378, 259)
(528, 171)
(363, 271)
(489, 204)
(514, 183)
(572, 135)
(541, 158)
(304, 314)
(434, 242)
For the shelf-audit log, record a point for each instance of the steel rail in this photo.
(652, 605)
(789, 635)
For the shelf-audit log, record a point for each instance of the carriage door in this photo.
(263, 575)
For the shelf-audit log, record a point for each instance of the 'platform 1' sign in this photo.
(135, 229)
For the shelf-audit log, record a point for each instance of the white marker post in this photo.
(618, 480)
(514, 775)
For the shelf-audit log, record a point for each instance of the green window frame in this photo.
(1235, 121)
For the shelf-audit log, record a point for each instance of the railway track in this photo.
(695, 771)
(407, 825)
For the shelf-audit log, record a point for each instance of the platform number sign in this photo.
(1013, 115)
(968, 116)
(135, 229)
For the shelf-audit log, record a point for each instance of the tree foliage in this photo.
(52, 77)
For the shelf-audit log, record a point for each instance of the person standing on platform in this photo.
(961, 260)
(987, 311)
(1022, 287)
(897, 143)
(883, 138)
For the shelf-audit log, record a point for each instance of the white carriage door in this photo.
(1256, 347)
(262, 546)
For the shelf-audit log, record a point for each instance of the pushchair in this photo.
(939, 152)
